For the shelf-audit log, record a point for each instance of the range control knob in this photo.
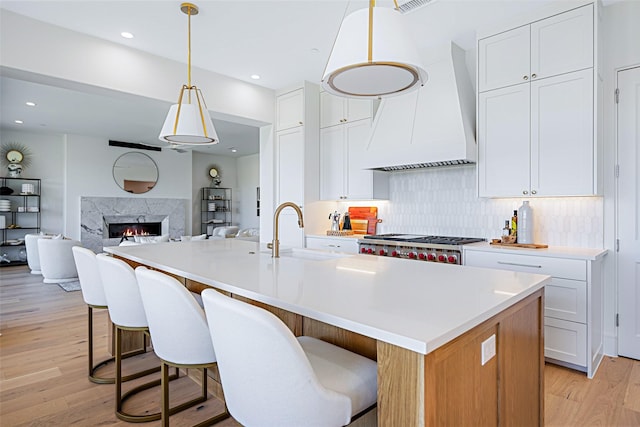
(370, 251)
(422, 255)
(382, 252)
(442, 258)
(412, 255)
(363, 250)
(452, 259)
(431, 257)
(394, 253)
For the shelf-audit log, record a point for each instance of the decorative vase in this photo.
(15, 169)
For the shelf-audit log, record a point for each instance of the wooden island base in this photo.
(448, 386)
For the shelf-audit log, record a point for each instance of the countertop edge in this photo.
(588, 254)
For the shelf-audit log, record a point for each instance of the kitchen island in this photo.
(431, 327)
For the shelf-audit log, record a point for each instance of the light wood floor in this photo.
(43, 364)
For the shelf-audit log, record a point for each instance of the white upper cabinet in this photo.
(560, 44)
(538, 138)
(562, 135)
(503, 142)
(290, 110)
(342, 175)
(504, 59)
(336, 110)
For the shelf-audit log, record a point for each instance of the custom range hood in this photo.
(433, 126)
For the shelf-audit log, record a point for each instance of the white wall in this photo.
(73, 166)
(48, 164)
(248, 181)
(88, 172)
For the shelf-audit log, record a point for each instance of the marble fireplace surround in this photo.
(96, 212)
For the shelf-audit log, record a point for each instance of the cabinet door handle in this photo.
(519, 265)
(525, 77)
(533, 76)
(534, 192)
(525, 192)
(299, 123)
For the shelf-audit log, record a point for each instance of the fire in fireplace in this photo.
(126, 229)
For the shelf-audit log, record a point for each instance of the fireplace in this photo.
(99, 215)
(127, 229)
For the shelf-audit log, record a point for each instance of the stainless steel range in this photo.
(422, 248)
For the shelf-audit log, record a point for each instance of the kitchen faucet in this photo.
(275, 243)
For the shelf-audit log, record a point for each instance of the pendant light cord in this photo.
(189, 52)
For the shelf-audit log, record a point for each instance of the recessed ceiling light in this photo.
(18, 122)
(30, 103)
(255, 77)
(126, 35)
(233, 149)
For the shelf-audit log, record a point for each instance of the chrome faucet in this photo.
(275, 243)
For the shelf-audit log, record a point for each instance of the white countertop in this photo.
(415, 305)
(589, 254)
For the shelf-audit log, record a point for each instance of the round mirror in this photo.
(135, 172)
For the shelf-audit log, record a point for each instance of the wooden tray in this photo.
(521, 245)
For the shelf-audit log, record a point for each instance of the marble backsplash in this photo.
(443, 201)
(94, 210)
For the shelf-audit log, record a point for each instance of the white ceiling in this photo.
(284, 42)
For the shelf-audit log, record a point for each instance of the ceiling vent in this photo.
(412, 5)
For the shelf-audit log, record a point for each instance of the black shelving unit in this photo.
(21, 217)
(215, 208)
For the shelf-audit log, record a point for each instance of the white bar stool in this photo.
(179, 332)
(93, 295)
(271, 378)
(127, 314)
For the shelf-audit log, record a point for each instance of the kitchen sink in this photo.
(308, 254)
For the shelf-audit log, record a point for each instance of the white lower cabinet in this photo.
(565, 341)
(336, 244)
(573, 323)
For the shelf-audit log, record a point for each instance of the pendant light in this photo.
(373, 56)
(188, 122)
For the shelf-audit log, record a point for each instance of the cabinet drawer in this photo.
(565, 341)
(338, 245)
(557, 267)
(566, 299)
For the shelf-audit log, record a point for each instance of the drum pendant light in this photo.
(373, 56)
(188, 122)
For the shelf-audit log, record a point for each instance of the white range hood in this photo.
(433, 126)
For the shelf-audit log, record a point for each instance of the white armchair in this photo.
(33, 257)
(56, 260)
(252, 234)
(224, 232)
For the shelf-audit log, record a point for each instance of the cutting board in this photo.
(521, 245)
(364, 219)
